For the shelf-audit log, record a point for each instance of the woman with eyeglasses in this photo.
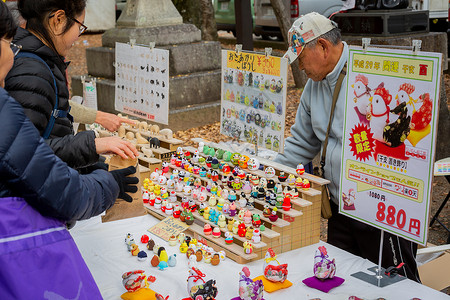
(38, 80)
(38, 194)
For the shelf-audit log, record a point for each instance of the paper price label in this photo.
(168, 227)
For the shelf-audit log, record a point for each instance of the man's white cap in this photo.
(305, 29)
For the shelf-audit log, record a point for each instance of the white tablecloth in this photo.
(103, 248)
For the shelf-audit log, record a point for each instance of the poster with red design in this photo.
(390, 127)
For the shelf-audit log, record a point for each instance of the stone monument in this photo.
(195, 65)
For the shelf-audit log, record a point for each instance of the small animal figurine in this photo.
(150, 244)
(129, 240)
(228, 237)
(272, 269)
(247, 217)
(215, 260)
(183, 247)
(172, 262)
(197, 287)
(232, 209)
(221, 221)
(256, 238)
(207, 257)
(249, 233)
(249, 289)
(241, 230)
(248, 247)
(142, 256)
(144, 239)
(154, 143)
(300, 169)
(235, 227)
(134, 249)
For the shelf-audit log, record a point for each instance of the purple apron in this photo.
(38, 257)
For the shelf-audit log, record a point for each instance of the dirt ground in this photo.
(437, 234)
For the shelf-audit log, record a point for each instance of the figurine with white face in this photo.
(270, 172)
(253, 164)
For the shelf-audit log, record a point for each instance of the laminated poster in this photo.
(142, 82)
(90, 94)
(254, 98)
(392, 102)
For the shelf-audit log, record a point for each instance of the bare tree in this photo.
(284, 20)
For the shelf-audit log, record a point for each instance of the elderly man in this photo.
(316, 42)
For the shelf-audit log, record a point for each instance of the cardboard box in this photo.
(434, 273)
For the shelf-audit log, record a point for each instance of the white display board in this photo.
(253, 98)
(142, 82)
(392, 102)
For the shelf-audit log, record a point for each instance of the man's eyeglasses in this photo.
(15, 48)
(83, 27)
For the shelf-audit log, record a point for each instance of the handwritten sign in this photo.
(90, 94)
(168, 227)
(390, 127)
(253, 98)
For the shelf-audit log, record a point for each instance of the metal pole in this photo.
(244, 24)
(380, 255)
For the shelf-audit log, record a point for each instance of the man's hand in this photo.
(115, 145)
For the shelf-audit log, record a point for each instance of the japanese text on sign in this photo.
(168, 227)
(394, 67)
(254, 63)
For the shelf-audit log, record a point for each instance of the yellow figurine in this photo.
(183, 247)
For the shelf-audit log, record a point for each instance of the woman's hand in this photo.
(115, 145)
(111, 122)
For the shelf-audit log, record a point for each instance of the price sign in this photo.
(390, 127)
(168, 227)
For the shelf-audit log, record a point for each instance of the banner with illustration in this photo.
(254, 98)
(392, 102)
(142, 82)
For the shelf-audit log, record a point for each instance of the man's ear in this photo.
(57, 22)
(324, 47)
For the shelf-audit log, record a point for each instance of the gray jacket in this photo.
(310, 128)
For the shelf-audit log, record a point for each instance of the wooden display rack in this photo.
(298, 227)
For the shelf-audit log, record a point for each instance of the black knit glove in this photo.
(126, 184)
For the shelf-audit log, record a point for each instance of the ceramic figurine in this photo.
(270, 184)
(253, 164)
(202, 196)
(256, 238)
(254, 179)
(230, 224)
(306, 184)
(243, 161)
(250, 204)
(249, 289)
(190, 252)
(154, 175)
(232, 196)
(324, 268)
(216, 232)
(256, 220)
(300, 169)
(212, 215)
(206, 213)
(247, 216)
(236, 227)
(145, 197)
(199, 255)
(215, 260)
(212, 201)
(241, 214)
(248, 247)
(241, 230)
(150, 244)
(158, 202)
(226, 170)
(173, 241)
(263, 182)
(176, 212)
(134, 280)
(207, 257)
(181, 237)
(207, 229)
(286, 203)
(162, 265)
(273, 216)
(197, 287)
(267, 211)
(272, 269)
(142, 256)
(220, 203)
(291, 179)
(269, 172)
(144, 239)
(183, 247)
(246, 187)
(228, 237)
(249, 233)
(129, 240)
(189, 218)
(222, 221)
(157, 190)
(134, 249)
(299, 182)
(172, 262)
(154, 262)
(224, 194)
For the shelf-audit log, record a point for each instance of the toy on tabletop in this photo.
(236, 227)
(230, 224)
(190, 251)
(300, 169)
(207, 229)
(247, 216)
(142, 256)
(249, 289)
(145, 197)
(232, 197)
(165, 167)
(154, 262)
(134, 249)
(230, 180)
(286, 203)
(154, 175)
(324, 278)
(209, 160)
(220, 203)
(270, 184)
(269, 172)
(235, 158)
(173, 240)
(189, 218)
(291, 179)
(306, 184)
(150, 244)
(172, 262)
(197, 288)
(226, 170)
(246, 187)
(206, 213)
(129, 240)
(221, 221)
(136, 284)
(241, 214)
(212, 215)
(156, 248)
(227, 156)
(215, 260)
(228, 238)
(253, 164)
(243, 160)
(273, 216)
(199, 255)
(236, 184)
(263, 182)
(183, 247)
(254, 179)
(144, 239)
(299, 182)
(249, 232)
(241, 230)
(248, 247)
(241, 174)
(256, 238)
(242, 201)
(267, 211)
(207, 257)
(176, 212)
(215, 163)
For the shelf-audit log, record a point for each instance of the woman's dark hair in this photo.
(38, 12)
(8, 26)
